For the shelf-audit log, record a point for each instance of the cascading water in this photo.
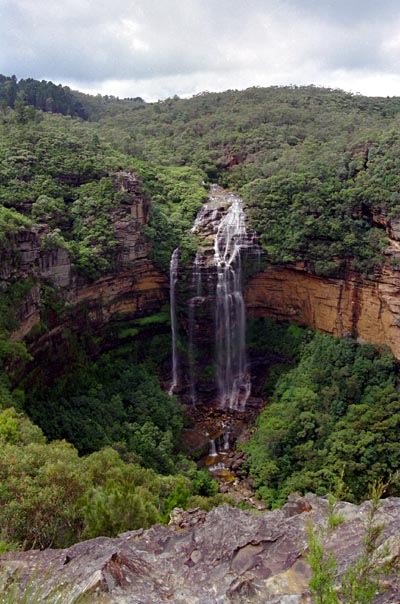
(222, 221)
(196, 288)
(232, 371)
(173, 278)
(227, 435)
(213, 448)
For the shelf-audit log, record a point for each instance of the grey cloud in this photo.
(162, 42)
(349, 12)
(352, 50)
(92, 43)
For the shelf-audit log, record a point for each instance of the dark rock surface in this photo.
(225, 556)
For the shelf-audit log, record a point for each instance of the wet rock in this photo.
(236, 464)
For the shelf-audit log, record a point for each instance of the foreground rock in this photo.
(225, 556)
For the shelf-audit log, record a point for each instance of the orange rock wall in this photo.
(134, 292)
(366, 310)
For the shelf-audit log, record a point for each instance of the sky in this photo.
(160, 48)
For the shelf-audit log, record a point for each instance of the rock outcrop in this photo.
(352, 306)
(366, 309)
(225, 556)
(135, 288)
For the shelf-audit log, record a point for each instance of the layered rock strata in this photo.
(225, 556)
(366, 309)
(352, 306)
(135, 288)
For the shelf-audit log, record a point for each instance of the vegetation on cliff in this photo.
(319, 173)
(63, 172)
(317, 168)
(335, 413)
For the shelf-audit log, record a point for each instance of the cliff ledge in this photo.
(225, 556)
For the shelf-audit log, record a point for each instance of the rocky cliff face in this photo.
(366, 310)
(135, 287)
(225, 556)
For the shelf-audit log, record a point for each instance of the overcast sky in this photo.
(159, 48)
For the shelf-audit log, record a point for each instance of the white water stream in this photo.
(173, 278)
(232, 371)
(221, 226)
(222, 222)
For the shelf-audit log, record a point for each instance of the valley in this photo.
(199, 306)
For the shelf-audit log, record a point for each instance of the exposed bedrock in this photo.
(225, 556)
(367, 309)
(135, 288)
(352, 306)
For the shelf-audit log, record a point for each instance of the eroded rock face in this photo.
(368, 310)
(135, 288)
(225, 556)
(364, 309)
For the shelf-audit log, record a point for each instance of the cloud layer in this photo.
(155, 48)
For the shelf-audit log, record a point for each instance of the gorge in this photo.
(140, 299)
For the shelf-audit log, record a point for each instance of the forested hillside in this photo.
(332, 417)
(319, 173)
(314, 166)
(317, 168)
(40, 95)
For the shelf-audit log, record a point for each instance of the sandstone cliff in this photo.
(366, 309)
(136, 287)
(352, 306)
(225, 556)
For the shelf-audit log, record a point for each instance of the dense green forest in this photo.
(319, 174)
(317, 168)
(120, 468)
(314, 166)
(42, 95)
(333, 412)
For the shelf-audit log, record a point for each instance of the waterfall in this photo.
(221, 228)
(212, 448)
(196, 290)
(227, 435)
(232, 372)
(173, 278)
(192, 377)
(216, 291)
